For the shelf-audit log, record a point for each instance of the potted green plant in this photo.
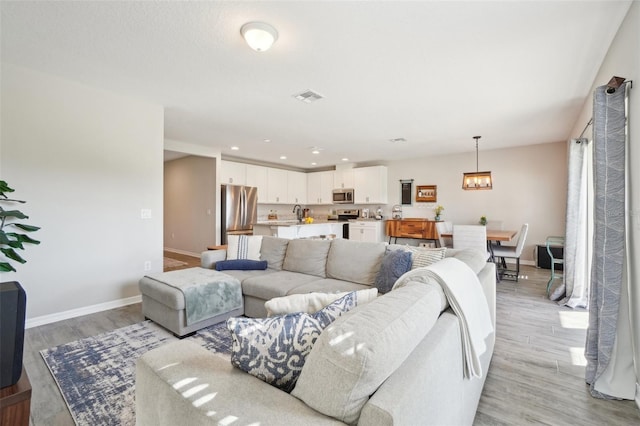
(12, 241)
(438, 210)
(12, 295)
(483, 220)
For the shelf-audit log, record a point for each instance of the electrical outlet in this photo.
(147, 265)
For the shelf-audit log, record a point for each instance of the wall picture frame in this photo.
(426, 193)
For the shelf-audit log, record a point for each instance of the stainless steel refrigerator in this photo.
(239, 208)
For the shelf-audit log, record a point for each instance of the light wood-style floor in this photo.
(533, 378)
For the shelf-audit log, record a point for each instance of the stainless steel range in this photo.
(347, 214)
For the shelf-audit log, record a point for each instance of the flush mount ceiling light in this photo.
(259, 35)
(477, 180)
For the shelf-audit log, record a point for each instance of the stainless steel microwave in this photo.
(343, 196)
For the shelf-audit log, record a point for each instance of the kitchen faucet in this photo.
(297, 209)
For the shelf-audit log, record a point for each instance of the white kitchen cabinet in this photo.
(343, 179)
(369, 231)
(233, 173)
(297, 187)
(276, 186)
(258, 176)
(320, 187)
(370, 185)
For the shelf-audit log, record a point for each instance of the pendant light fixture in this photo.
(259, 36)
(477, 180)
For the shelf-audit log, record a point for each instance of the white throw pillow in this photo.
(244, 247)
(423, 256)
(311, 303)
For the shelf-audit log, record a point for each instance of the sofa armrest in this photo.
(209, 258)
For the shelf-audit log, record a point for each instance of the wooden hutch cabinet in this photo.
(417, 228)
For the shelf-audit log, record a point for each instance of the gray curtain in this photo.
(574, 289)
(608, 349)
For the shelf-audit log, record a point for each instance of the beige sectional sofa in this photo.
(405, 366)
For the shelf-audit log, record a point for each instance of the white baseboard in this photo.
(86, 310)
(186, 253)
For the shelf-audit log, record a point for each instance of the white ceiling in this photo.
(434, 73)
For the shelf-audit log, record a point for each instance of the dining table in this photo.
(498, 235)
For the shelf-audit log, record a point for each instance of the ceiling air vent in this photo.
(308, 96)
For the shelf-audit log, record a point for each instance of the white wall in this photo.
(190, 194)
(623, 60)
(87, 161)
(529, 186)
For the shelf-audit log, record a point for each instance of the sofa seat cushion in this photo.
(327, 285)
(168, 377)
(275, 284)
(243, 275)
(355, 261)
(307, 257)
(360, 350)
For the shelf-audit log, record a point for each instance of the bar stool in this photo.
(554, 242)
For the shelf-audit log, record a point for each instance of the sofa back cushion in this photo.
(473, 258)
(307, 257)
(360, 350)
(273, 251)
(355, 261)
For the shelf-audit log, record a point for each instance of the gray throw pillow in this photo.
(394, 264)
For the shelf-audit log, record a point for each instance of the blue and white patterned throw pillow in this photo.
(274, 349)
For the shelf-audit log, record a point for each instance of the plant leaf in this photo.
(6, 267)
(22, 238)
(14, 213)
(25, 227)
(11, 254)
(4, 187)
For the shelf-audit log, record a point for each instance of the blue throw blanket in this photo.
(207, 293)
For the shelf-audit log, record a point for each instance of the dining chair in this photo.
(554, 242)
(500, 253)
(444, 228)
(471, 236)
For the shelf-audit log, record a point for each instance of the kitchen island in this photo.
(292, 229)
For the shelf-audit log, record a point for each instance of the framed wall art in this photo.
(426, 193)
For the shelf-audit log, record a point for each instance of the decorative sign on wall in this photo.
(426, 193)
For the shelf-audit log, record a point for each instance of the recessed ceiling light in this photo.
(267, 140)
(283, 157)
(345, 159)
(235, 148)
(314, 163)
(315, 151)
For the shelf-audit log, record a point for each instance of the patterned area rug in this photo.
(96, 375)
(172, 263)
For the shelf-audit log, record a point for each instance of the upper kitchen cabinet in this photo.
(297, 187)
(258, 176)
(233, 173)
(277, 186)
(343, 179)
(370, 185)
(320, 187)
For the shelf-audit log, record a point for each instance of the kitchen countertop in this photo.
(293, 222)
